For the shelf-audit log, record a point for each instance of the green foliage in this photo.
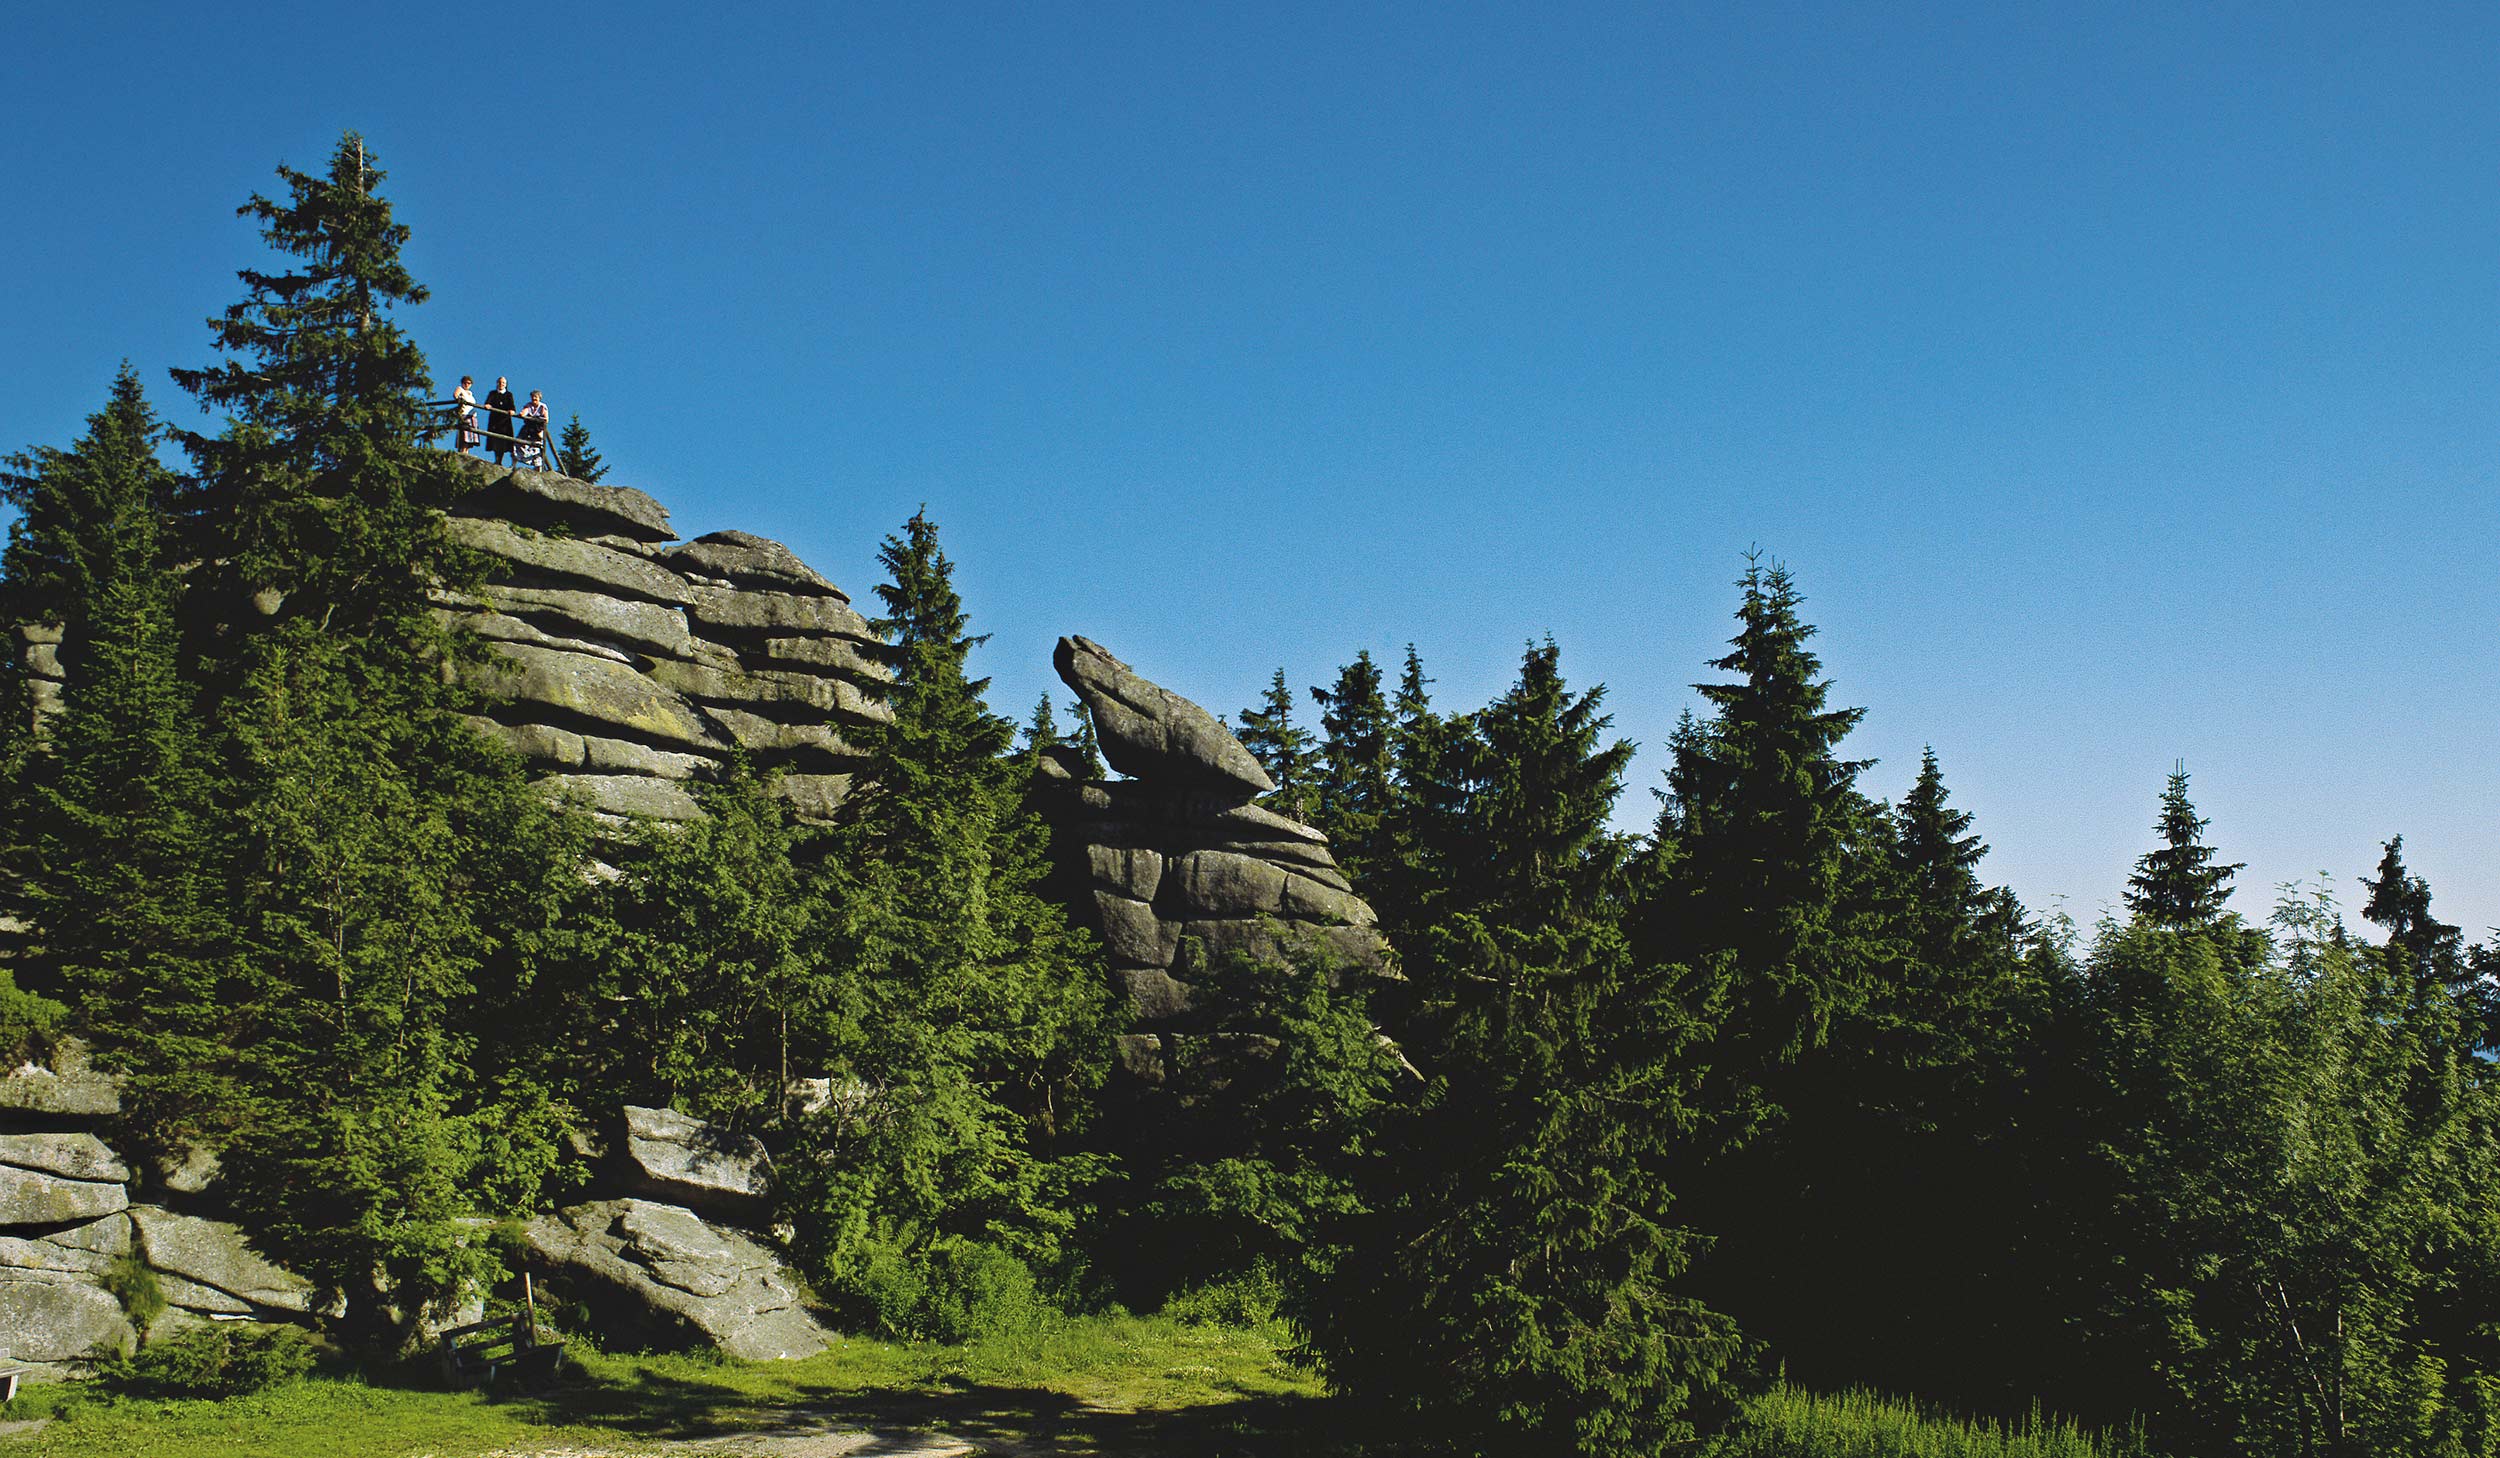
(1353, 795)
(133, 1283)
(1269, 732)
(2180, 885)
(1788, 1422)
(117, 856)
(575, 456)
(950, 1290)
(2295, 1162)
(381, 879)
(1270, 1104)
(970, 1017)
(1760, 857)
(216, 1359)
(1515, 1280)
(700, 963)
(1253, 1299)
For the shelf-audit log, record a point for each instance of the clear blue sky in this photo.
(2120, 381)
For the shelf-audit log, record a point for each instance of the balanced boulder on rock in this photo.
(1149, 732)
(683, 1160)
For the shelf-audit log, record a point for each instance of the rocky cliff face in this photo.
(1179, 866)
(71, 1209)
(630, 666)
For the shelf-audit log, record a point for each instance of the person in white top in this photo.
(469, 437)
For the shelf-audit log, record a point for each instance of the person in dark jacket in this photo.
(499, 420)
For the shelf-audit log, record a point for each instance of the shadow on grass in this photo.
(1004, 1419)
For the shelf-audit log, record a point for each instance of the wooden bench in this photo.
(8, 1381)
(484, 1352)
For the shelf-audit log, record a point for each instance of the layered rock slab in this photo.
(661, 1272)
(631, 669)
(1176, 867)
(683, 1160)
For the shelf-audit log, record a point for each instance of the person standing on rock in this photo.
(499, 420)
(533, 447)
(468, 414)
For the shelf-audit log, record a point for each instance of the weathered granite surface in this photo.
(661, 1273)
(629, 669)
(680, 1159)
(1177, 865)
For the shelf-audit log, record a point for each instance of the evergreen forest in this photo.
(1777, 1095)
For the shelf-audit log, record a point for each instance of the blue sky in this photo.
(2119, 381)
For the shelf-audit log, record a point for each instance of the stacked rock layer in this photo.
(68, 1218)
(1179, 866)
(630, 666)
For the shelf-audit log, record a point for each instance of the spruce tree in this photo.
(1269, 732)
(385, 861)
(1760, 852)
(1041, 729)
(1517, 1281)
(121, 848)
(1353, 791)
(2180, 885)
(1081, 738)
(2400, 905)
(983, 1018)
(575, 456)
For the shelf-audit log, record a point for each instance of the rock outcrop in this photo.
(209, 1267)
(630, 668)
(1178, 865)
(67, 1217)
(682, 1160)
(657, 1273)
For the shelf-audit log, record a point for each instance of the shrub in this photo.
(1246, 1300)
(135, 1286)
(953, 1291)
(222, 1359)
(1788, 1423)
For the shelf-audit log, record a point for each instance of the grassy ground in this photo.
(1117, 1385)
(1788, 1423)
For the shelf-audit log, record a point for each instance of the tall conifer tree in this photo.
(1519, 1281)
(2180, 885)
(1354, 768)
(385, 858)
(122, 848)
(983, 1017)
(1269, 732)
(576, 456)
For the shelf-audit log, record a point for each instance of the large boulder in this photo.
(546, 499)
(748, 560)
(208, 1266)
(657, 1272)
(683, 1160)
(38, 1096)
(579, 687)
(79, 1250)
(36, 1197)
(1149, 732)
(51, 1321)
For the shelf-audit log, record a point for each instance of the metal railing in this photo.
(542, 446)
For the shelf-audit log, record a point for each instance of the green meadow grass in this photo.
(1789, 1423)
(1130, 1386)
(1114, 1384)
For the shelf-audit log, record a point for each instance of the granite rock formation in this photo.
(67, 1214)
(683, 1160)
(1178, 865)
(659, 1273)
(630, 667)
